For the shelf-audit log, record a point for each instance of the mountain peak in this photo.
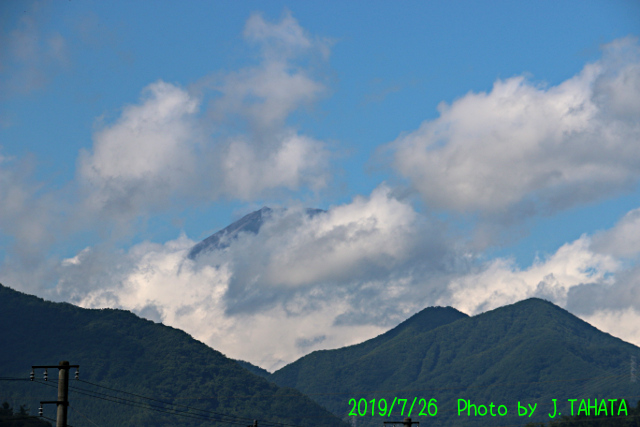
(425, 320)
(531, 350)
(250, 223)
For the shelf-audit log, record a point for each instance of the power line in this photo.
(301, 394)
(600, 381)
(168, 403)
(128, 402)
(117, 399)
(189, 407)
(153, 408)
(123, 401)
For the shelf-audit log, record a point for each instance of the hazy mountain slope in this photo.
(250, 223)
(120, 350)
(531, 351)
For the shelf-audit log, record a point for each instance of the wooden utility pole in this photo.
(63, 390)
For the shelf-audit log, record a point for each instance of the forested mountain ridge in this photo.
(306, 368)
(117, 349)
(531, 351)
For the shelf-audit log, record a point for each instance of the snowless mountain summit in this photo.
(250, 223)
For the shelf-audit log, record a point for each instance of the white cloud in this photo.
(501, 282)
(297, 160)
(596, 278)
(267, 93)
(623, 240)
(300, 284)
(376, 232)
(147, 155)
(161, 150)
(523, 149)
(285, 35)
(304, 283)
(160, 283)
(624, 324)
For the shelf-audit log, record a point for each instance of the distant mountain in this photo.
(528, 352)
(120, 351)
(250, 223)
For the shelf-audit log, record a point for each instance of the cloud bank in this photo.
(304, 283)
(329, 279)
(524, 149)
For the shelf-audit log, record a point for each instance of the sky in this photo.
(467, 154)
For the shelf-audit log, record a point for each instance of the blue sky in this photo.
(468, 154)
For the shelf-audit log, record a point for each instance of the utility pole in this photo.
(63, 390)
(406, 423)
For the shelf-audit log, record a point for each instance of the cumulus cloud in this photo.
(594, 277)
(501, 282)
(266, 95)
(339, 277)
(623, 323)
(623, 240)
(370, 247)
(296, 160)
(524, 149)
(300, 284)
(162, 149)
(147, 155)
(281, 82)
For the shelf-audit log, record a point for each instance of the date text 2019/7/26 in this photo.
(361, 407)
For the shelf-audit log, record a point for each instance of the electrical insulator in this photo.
(32, 376)
(46, 375)
(40, 410)
(77, 373)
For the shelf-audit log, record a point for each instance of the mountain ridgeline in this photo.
(250, 223)
(118, 350)
(529, 352)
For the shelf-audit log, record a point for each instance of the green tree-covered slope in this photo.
(117, 349)
(257, 370)
(528, 352)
